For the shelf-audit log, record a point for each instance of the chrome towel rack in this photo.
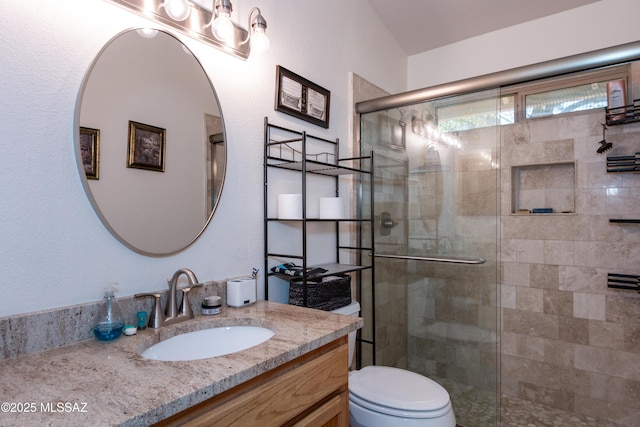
(452, 260)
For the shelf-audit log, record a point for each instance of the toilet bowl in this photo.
(382, 396)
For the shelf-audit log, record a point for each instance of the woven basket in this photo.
(331, 293)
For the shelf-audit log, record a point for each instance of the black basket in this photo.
(330, 293)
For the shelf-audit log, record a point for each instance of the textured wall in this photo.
(54, 250)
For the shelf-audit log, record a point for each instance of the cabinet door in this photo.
(334, 413)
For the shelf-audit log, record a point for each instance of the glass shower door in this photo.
(436, 204)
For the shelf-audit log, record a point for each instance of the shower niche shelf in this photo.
(543, 189)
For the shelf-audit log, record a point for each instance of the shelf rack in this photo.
(624, 164)
(289, 150)
(295, 150)
(621, 115)
(628, 282)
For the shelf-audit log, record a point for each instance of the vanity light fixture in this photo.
(222, 26)
(212, 26)
(178, 10)
(258, 32)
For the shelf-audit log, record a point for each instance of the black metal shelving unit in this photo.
(623, 164)
(309, 155)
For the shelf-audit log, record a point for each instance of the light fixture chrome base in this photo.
(193, 26)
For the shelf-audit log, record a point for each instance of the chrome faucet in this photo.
(172, 314)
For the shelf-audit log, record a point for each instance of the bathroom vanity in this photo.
(310, 390)
(297, 377)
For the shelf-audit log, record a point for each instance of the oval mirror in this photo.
(150, 142)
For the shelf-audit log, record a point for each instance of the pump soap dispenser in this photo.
(110, 320)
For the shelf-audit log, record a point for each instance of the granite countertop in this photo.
(96, 383)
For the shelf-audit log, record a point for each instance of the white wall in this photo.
(54, 251)
(598, 25)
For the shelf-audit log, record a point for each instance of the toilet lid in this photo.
(397, 389)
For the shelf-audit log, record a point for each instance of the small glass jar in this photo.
(211, 305)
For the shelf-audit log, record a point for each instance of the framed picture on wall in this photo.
(90, 152)
(301, 98)
(146, 147)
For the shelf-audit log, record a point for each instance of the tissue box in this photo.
(241, 292)
(330, 293)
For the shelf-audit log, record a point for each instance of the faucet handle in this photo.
(188, 288)
(185, 306)
(156, 319)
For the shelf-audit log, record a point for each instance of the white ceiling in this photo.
(421, 25)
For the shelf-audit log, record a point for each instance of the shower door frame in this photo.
(599, 58)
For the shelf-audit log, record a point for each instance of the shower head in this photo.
(604, 146)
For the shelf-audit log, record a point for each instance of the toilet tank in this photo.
(352, 309)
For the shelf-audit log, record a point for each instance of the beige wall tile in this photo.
(530, 251)
(575, 278)
(606, 334)
(573, 330)
(558, 302)
(558, 252)
(558, 353)
(531, 347)
(589, 306)
(544, 276)
(508, 296)
(529, 299)
(516, 274)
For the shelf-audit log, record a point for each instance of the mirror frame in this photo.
(76, 143)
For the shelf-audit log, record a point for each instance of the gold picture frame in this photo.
(146, 147)
(90, 152)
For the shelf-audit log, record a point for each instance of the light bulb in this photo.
(222, 28)
(178, 10)
(259, 40)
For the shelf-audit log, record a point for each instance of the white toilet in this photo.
(381, 396)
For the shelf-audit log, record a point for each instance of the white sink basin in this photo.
(208, 343)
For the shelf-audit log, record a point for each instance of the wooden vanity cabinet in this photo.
(309, 391)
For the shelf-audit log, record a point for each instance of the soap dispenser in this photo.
(110, 320)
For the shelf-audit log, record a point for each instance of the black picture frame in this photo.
(301, 98)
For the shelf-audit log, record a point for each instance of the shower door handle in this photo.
(433, 259)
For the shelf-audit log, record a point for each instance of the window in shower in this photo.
(566, 100)
(557, 95)
(476, 114)
(570, 94)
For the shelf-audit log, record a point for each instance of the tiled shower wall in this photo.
(567, 340)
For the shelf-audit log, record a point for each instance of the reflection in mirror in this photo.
(161, 151)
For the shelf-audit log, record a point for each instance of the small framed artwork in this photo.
(301, 98)
(146, 147)
(90, 152)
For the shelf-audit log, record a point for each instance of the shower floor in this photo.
(475, 408)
